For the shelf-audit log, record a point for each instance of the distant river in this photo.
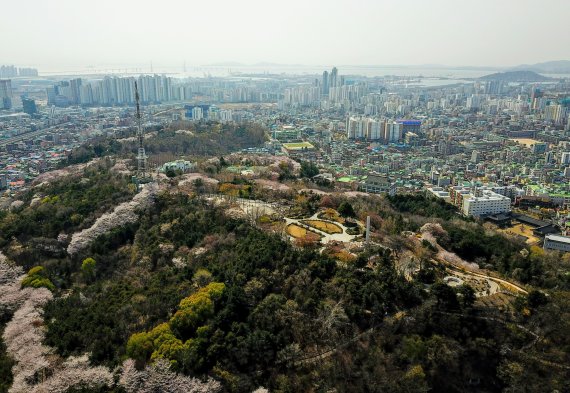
(369, 71)
(227, 70)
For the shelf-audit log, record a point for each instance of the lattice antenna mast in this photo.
(141, 157)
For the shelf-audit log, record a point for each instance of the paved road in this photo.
(28, 135)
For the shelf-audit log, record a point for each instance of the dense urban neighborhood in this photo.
(295, 232)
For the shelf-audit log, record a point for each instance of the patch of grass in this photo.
(327, 227)
(301, 233)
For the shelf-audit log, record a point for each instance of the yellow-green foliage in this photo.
(54, 199)
(88, 268)
(165, 340)
(196, 308)
(36, 278)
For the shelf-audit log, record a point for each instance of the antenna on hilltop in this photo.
(141, 176)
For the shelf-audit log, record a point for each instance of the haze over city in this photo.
(55, 35)
(295, 196)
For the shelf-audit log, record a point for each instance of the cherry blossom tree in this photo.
(158, 377)
(123, 214)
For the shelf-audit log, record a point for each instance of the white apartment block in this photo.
(488, 203)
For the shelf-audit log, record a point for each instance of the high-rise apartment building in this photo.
(5, 94)
(113, 91)
(556, 114)
(197, 113)
(325, 83)
(333, 82)
(75, 86)
(392, 132)
(364, 128)
(8, 72)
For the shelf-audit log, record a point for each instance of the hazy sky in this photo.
(78, 33)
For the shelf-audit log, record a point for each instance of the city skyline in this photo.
(315, 33)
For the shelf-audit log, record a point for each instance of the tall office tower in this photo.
(5, 94)
(325, 84)
(548, 157)
(75, 85)
(29, 106)
(333, 78)
(565, 158)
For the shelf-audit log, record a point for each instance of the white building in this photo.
(488, 203)
(197, 113)
(392, 132)
(439, 192)
(179, 165)
(557, 243)
(363, 127)
(225, 115)
(374, 129)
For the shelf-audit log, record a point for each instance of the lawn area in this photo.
(300, 233)
(524, 230)
(327, 227)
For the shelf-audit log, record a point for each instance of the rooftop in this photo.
(558, 238)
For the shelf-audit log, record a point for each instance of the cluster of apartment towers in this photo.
(381, 130)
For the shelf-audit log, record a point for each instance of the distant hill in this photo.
(515, 76)
(549, 67)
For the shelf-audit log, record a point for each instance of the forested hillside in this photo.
(181, 138)
(229, 305)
